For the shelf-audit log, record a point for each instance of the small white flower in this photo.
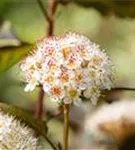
(33, 81)
(93, 93)
(72, 95)
(57, 92)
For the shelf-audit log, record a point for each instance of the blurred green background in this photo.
(22, 23)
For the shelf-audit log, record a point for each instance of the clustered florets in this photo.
(68, 66)
(14, 135)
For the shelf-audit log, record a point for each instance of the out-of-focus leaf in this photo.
(124, 8)
(25, 117)
(27, 19)
(4, 6)
(63, 2)
(101, 5)
(11, 55)
(75, 22)
(121, 8)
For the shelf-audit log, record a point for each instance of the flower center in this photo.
(55, 91)
(72, 93)
(64, 77)
(66, 52)
(51, 65)
(49, 79)
(96, 60)
(39, 65)
(78, 77)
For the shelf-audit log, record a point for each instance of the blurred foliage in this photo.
(11, 48)
(27, 20)
(121, 8)
(11, 55)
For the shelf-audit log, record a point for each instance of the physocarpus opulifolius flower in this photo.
(68, 66)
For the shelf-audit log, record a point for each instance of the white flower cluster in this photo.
(67, 66)
(14, 135)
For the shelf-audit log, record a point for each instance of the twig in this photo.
(39, 106)
(66, 126)
(52, 5)
(49, 14)
(123, 89)
(50, 142)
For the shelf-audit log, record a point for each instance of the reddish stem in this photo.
(39, 106)
(66, 126)
(50, 13)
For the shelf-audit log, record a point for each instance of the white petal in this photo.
(27, 88)
(46, 87)
(32, 87)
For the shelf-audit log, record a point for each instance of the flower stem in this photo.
(123, 89)
(39, 106)
(66, 126)
(50, 142)
(49, 14)
(52, 5)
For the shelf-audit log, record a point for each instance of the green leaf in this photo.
(27, 20)
(120, 8)
(25, 117)
(11, 55)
